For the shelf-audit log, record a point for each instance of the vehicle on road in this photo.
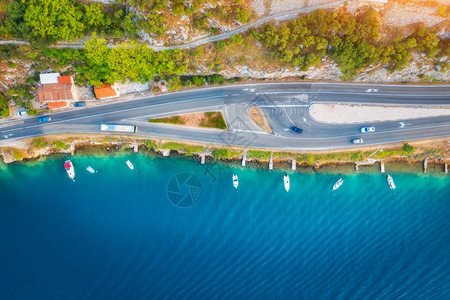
(296, 129)
(79, 104)
(122, 128)
(367, 129)
(357, 141)
(45, 119)
(22, 113)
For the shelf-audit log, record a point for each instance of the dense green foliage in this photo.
(97, 64)
(261, 155)
(4, 110)
(43, 21)
(61, 145)
(22, 95)
(189, 150)
(150, 145)
(408, 148)
(39, 143)
(221, 153)
(352, 42)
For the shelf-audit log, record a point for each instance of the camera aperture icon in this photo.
(184, 190)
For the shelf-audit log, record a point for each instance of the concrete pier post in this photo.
(244, 158)
(166, 152)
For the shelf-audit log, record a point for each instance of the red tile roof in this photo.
(64, 79)
(105, 91)
(54, 92)
(60, 104)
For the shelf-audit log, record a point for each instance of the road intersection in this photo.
(284, 105)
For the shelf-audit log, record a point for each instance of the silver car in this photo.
(357, 141)
(367, 129)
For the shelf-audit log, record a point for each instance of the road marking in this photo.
(250, 131)
(287, 115)
(284, 105)
(354, 93)
(304, 120)
(404, 124)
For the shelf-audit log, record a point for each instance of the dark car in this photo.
(45, 119)
(296, 129)
(79, 104)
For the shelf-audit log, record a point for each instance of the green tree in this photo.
(54, 20)
(407, 148)
(220, 45)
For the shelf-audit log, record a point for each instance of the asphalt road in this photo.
(284, 104)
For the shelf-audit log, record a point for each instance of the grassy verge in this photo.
(213, 120)
(168, 120)
(189, 150)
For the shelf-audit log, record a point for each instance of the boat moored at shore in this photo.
(390, 182)
(338, 184)
(287, 184)
(129, 164)
(235, 181)
(69, 169)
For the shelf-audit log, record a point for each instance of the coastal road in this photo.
(284, 104)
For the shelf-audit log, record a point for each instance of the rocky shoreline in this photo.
(305, 162)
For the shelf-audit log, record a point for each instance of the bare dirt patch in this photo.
(256, 115)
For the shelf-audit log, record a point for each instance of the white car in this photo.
(357, 141)
(367, 129)
(22, 113)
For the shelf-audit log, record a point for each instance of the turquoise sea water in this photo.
(117, 234)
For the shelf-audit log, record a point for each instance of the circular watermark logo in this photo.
(184, 190)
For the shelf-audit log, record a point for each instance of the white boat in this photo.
(338, 184)
(90, 169)
(69, 169)
(287, 184)
(390, 182)
(235, 181)
(130, 165)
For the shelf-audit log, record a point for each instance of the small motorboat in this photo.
(338, 184)
(235, 181)
(69, 169)
(287, 184)
(390, 182)
(90, 169)
(129, 164)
